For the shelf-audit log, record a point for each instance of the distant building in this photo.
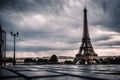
(104, 57)
(2, 46)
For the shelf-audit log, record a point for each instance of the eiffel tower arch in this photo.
(86, 54)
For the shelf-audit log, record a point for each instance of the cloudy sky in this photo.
(50, 27)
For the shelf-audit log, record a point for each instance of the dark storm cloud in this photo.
(111, 9)
(41, 48)
(12, 10)
(32, 5)
(116, 43)
(63, 22)
(38, 48)
(101, 38)
(109, 44)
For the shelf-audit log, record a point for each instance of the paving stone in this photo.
(61, 72)
(90, 75)
(19, 78)
(6, 73)
(39, 74)
(61, 78)
(17, 68)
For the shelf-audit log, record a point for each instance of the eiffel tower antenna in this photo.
(84, 3)
(86, 52)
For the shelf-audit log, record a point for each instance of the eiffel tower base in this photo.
(86, 59)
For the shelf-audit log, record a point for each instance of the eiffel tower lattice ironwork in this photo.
(86, 52)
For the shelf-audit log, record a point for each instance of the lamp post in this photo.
(14, 35)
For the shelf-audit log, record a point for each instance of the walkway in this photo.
(60, 72)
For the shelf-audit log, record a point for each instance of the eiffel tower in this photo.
(86, 53)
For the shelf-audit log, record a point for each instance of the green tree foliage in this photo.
(96, 60)
(53, 59)
(110, 60)
(42, 61)
(29, 60)
(68, 62)
(9, 59)
(117, 60)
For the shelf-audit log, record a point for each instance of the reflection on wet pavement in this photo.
(60, 72)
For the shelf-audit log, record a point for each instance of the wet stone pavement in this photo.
(60, 72)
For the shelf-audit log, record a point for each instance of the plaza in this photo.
(60, 72)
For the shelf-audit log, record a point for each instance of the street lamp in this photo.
(14, 35)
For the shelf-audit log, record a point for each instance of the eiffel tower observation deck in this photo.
(86, 54)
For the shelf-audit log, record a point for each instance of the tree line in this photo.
(54, 60)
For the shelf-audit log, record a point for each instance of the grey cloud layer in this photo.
(112, 10)
(31, 5)
(63, 21)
